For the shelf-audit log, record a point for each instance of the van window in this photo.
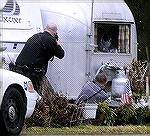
(112, 38)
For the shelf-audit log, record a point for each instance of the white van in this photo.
(81, 30)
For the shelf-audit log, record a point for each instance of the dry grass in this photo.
(89, 129)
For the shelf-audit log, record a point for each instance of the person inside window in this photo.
(105, 43)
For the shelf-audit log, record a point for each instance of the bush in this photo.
(136, 73)
(58, 113)
(147, 116)
(105, 115)
(140, 115)
(125, 114)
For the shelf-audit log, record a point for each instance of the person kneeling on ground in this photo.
(93, 91)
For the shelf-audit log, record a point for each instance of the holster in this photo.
(31, 72)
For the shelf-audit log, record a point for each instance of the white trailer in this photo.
(81, 26)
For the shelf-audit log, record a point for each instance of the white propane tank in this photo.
(118, 84)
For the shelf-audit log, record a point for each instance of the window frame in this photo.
(112, 23)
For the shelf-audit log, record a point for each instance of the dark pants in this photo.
(38, 78)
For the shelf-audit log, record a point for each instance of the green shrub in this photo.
(140, 117)
(105, 115)
(147, 115)
(125, 114)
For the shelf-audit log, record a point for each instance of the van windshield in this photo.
(112, 38)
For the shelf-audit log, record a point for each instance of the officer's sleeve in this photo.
(53, 49)
(59, 52)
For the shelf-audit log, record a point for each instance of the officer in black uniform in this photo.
(38, 50)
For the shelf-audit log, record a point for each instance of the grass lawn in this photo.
(89, 129)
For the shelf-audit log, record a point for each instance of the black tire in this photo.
(12, 113)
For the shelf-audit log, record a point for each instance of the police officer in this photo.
(38, 50)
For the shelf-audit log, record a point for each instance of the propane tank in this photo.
(118, 84)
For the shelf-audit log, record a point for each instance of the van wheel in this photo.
(13, 110)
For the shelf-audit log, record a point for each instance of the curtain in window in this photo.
(123, 39)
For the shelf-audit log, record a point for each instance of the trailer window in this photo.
(112, 38)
